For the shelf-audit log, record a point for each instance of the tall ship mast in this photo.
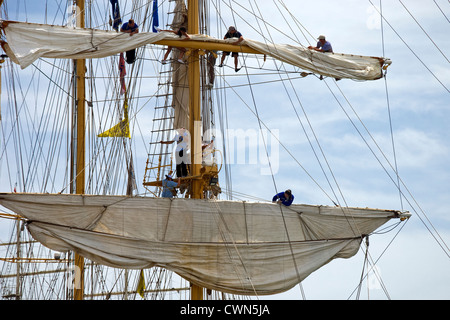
(84, 224)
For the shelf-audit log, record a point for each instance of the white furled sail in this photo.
(231, 246)
(27, 42)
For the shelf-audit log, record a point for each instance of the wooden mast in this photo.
(194, 118)
(80, 146)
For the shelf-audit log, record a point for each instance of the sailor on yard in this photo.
(322, 45)
(181, 33)
(232, 33)
(130, 27)
(285, 197)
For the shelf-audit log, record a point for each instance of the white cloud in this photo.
(418, 149)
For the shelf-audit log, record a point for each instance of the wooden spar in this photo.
(80, 146)
(206, 45)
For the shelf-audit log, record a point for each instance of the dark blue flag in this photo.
(155, 22)
(116, 14)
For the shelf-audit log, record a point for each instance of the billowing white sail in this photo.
(230, 246)
(27, 42)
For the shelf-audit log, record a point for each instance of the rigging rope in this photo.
(412, 51)
(422, 30)
(443, 244)
(278, 140)
(389, 110)
(441, 10)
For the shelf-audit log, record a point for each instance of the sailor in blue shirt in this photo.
(169, 186)
(285, 198)
(130, 27)
(322, 45)
(232, 33)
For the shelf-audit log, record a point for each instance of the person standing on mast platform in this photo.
(182, 151)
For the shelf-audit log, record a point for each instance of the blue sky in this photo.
(414, 99)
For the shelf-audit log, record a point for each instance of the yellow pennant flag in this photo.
(141, 285)
(122, 129)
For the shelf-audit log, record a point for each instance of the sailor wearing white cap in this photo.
(323, 45)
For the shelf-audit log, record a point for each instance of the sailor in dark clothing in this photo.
(285, 198)
(232, 33)
(130, 27)
(181, 33)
